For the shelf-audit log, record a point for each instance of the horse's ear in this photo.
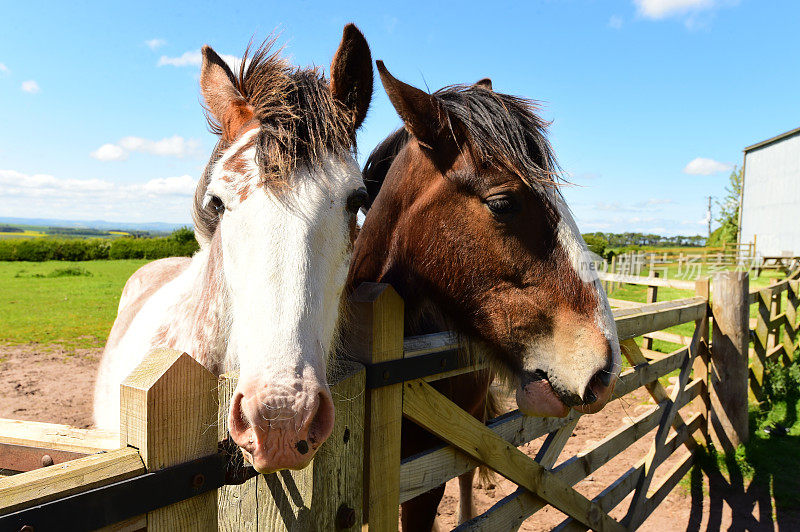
(422, 115)
(484, 83)
(351, 73)
(223, 99)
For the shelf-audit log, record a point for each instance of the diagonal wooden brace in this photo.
(433, 411)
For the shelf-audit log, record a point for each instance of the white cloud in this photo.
(174, 146)
(641, 206)
(181, 186)
(109, 152)
(3, 68)
(194, 58)
(697, 13)
(155, 43)
(169, 197)
(705, 166)
(658, 201)
(30, 86)
(659, 9)
(615, 22)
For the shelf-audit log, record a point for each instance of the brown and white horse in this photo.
(275, 218)
(469, 226)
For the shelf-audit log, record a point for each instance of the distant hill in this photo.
(156, 227)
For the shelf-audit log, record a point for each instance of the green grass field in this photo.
(75, 308)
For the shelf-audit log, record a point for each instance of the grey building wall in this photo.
(771, 196)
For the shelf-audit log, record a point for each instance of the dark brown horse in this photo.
(468, 225)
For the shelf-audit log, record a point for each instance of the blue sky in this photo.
(651, 100)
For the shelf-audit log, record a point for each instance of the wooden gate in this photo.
(389, 482)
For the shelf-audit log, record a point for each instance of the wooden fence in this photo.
(775, 333)
(165, 473)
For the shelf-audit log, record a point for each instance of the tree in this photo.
(729, 210)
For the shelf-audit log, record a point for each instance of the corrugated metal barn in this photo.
(771, 195)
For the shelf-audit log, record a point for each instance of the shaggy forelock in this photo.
(300, 121)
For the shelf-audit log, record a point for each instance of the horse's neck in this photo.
(196, 322)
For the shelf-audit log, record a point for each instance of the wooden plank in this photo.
(168, 411)
(623, 303)
(456, 372)
(669, 337)
(54, 482)
(647, 281)
(658, 316)
(554, 444)
(55, 436)
(429, 343)
(378, 318)
(430, 409)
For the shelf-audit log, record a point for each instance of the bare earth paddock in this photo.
(46, 383)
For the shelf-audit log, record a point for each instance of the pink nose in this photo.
(279, 430)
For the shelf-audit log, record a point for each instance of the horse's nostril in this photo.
(604, 376)
(589, 397)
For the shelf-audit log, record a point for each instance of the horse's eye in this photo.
(217, 205)
(502, 207)
(357, 199)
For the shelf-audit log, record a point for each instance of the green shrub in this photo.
(42, 249)
(597, 244)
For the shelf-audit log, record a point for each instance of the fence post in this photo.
(168, 411)
(611, 287)
(377, 313)
(652, 297)
(701, 362)
(729, 359)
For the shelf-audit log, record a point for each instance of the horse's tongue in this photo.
(537, 398)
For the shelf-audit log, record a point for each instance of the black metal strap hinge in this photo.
(382, 374)
(122, 500)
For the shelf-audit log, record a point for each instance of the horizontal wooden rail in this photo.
(646, 281)
(57, 481)
(670, 337)
(657, 316)
(623, 303)
(53, 436)
(433, 467)
(429, 343)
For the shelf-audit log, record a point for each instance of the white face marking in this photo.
(285, 259)
(573, 361)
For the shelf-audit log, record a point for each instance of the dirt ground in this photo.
(45, 383)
